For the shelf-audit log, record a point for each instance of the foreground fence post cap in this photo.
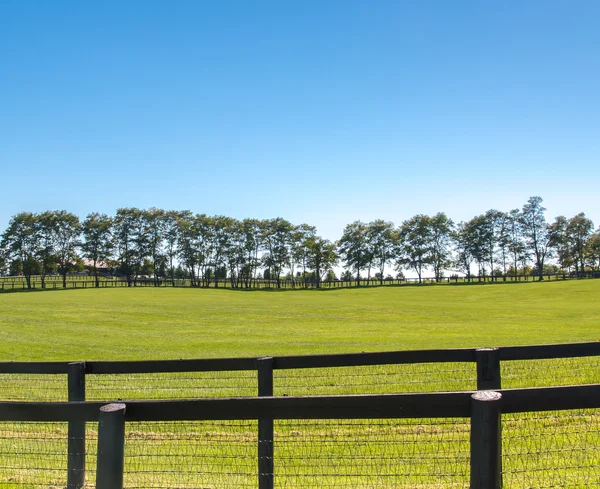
(486, 396)
(111, 408)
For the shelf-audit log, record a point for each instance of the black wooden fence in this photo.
(487, 363)
(485, 409)
(12, 283)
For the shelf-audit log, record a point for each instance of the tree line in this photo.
(206, 250)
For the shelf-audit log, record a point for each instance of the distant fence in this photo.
(19, 283)
(541, 437)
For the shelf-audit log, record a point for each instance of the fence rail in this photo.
(129, 434)
(478, 356)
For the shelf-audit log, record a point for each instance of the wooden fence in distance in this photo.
(13, 283)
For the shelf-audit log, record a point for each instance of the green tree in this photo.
(66, 230)
(562, 244)
(578, 230)
(171, 236)
(97, 245)
(46, 252)
(330, 276)
(187, 240)
(299, 251)
(223, 229)
(251, 244)
(480, 239)
(276, 235)
(346, 276)
(20, 241)
(302, 237)
(515, 244)
(536, 232)
(441, 235)
(493, 222)
(593, 251)
(154, 222)
(382, 240)
(414, 244)
(131, 238)
(352, 248)
(463, 245)
(204, 232)
(322, 257)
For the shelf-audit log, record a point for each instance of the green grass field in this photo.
(148, 323)
(541, 450)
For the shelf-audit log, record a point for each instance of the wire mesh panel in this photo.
(33, 387)
(91, 453)
(399, 453)
(191, 454)
(177, 385)
(550, 372)
(551, 449)
(33, 454)
(376, 379)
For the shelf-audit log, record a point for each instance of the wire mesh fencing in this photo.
(550, 372)
(347, 454)
(375, 379)
(390, 453)
(33, 387)
(35, 454)
(191, 454)
(171, 385)
(554, 449)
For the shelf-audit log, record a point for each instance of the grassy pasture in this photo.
(184, 323)
(143, 323)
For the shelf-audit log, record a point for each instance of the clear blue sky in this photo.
(317, 111)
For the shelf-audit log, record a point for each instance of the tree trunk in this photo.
(96, 275)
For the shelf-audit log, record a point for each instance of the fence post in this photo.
(486, 440)
(488, 369)
(76, 430)
(265, 426)
(111, 447)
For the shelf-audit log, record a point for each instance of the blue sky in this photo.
(317, 111)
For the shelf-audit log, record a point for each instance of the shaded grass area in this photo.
(149, 323)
